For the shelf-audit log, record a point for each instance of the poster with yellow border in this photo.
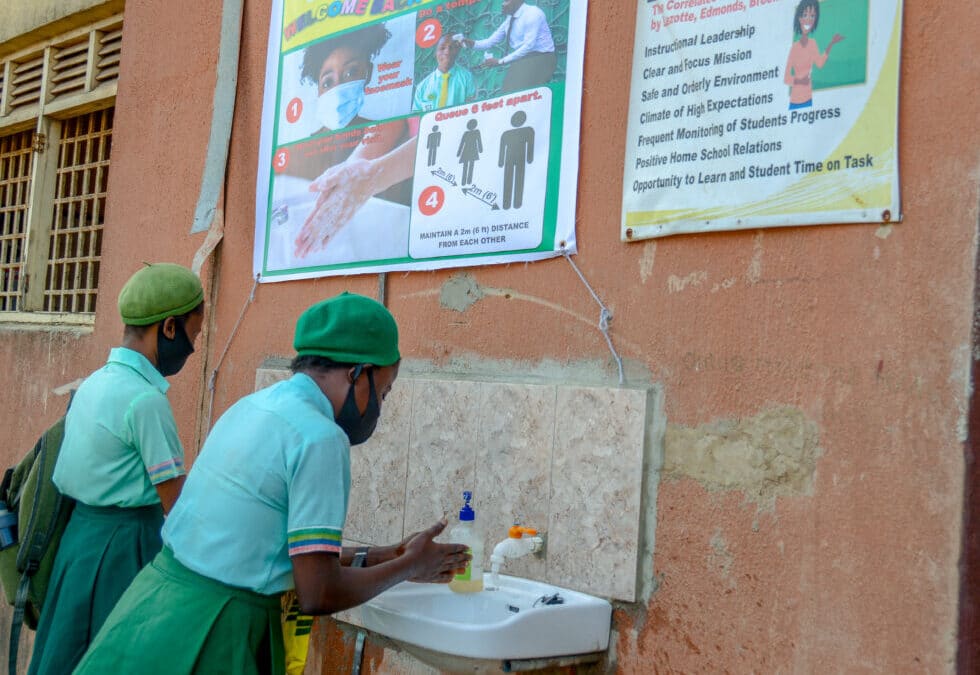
(417, 134)
(762, 113)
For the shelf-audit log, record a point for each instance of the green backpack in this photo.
(30, 531)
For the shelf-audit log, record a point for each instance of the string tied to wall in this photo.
(605, 316)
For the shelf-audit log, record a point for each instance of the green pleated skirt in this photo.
(101, 552)
(172, 621)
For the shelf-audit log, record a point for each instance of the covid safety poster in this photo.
(762, 113)
(417, 134)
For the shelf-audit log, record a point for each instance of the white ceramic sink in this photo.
(511, 622)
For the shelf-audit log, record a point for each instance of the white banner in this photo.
(417, 135)
(762, 113)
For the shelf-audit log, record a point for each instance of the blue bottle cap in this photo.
(466, 513)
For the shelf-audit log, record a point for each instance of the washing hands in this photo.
(343, 189)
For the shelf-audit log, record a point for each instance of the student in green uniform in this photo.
(121, 461)
(263, 512)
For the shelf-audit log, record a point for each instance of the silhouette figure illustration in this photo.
(516, 152)
(432, 143)
(470, 147)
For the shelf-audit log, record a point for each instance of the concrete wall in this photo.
(816, 380)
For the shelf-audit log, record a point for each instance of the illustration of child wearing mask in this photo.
(375, 160)
(805, 54)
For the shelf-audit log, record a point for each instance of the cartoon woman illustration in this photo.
(470, 147)
(804, 54)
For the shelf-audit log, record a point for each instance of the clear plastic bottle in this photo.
(8, 527)
(466, 532)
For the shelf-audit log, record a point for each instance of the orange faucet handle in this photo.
(516, 532)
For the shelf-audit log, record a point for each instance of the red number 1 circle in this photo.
(294, 109)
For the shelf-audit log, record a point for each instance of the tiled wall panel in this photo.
(565, 459)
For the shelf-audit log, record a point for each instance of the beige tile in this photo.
(379, 470)
(596, 487)
(442, 452)
(265, 377)
(513, 466)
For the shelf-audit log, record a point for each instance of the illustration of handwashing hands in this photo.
(354, 210)
(378, 230)
(340, 217)
(481, 177)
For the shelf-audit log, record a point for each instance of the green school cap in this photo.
(348, 328)
(157, 291)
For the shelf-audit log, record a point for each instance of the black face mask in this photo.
(172, 354)
(359, 427)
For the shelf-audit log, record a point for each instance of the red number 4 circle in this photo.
(431, 200)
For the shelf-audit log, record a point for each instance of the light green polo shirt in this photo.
(271, 482)
(459, 89)
(120, 435)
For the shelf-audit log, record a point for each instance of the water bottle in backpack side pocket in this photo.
(8, 527)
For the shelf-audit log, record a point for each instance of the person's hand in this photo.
(381, 554)
(834, 40)
(399, 549)
(434, 562)
(490, 63)
(343, 189)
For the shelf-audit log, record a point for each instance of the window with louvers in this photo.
(56, 116)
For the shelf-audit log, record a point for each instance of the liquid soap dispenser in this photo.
(466, 532)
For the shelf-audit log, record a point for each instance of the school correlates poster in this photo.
(762, 113)
(417, 134)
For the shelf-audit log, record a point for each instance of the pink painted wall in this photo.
(865, 331)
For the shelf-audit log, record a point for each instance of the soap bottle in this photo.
(466, 532)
